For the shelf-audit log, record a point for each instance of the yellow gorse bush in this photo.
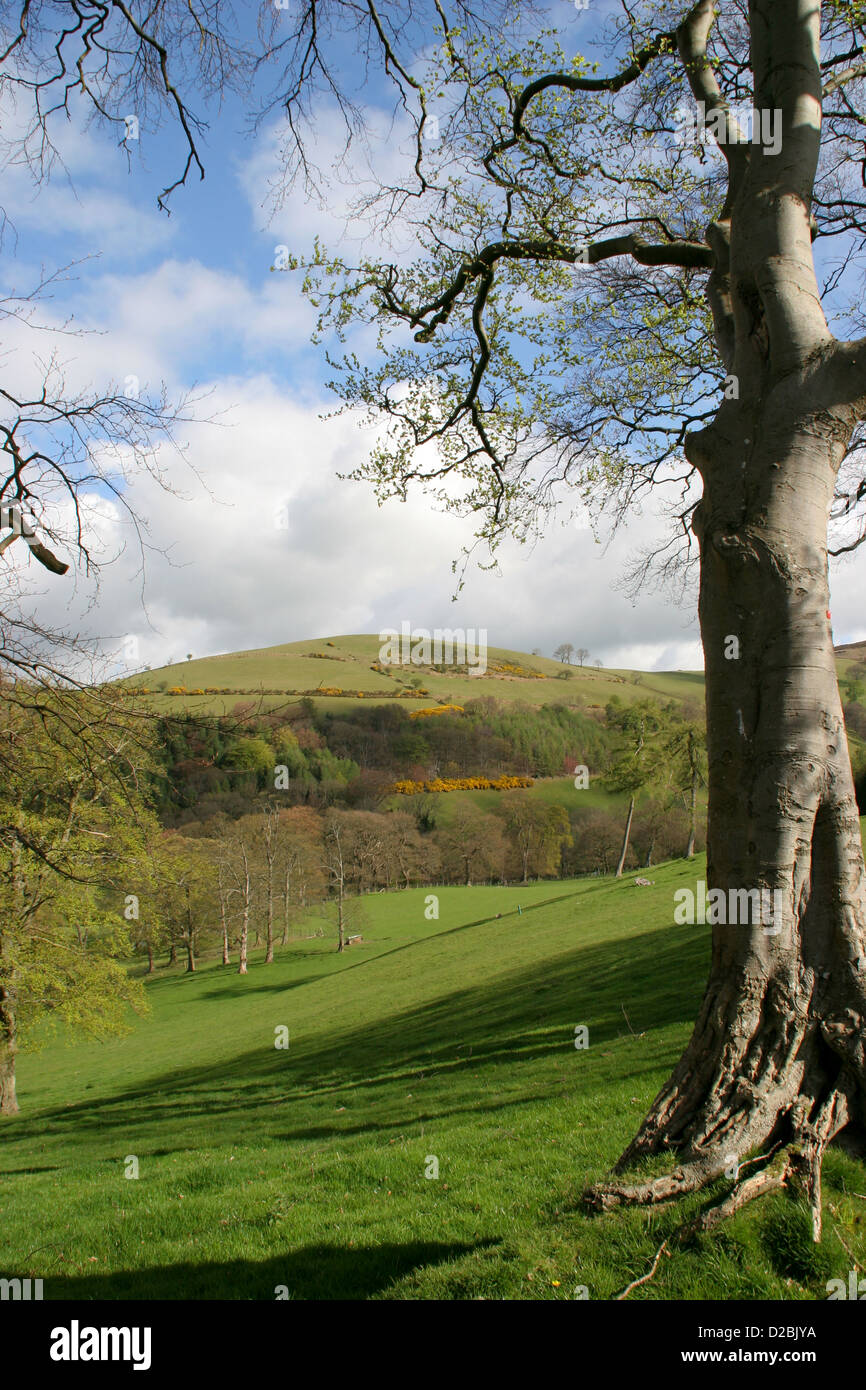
(460, 784)
(435, 709)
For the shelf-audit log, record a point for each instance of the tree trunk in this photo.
(269, 938)
(172, 955)
(242, 954)
(340, 928)
(190, 937)
(8, 1049)
(693, 816)
(150, 964)
(779, 1049)
(620, 866)
(286, 905)
(778, 1053)
(225, 931)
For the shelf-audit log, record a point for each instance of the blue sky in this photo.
(265, 545)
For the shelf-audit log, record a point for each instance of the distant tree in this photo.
(250, 755)
(473, 847)
(598, 663)
(686, 746)
(639, 726)
(582, 655)
(270, 824)
(649, 823)
(236, 857)
(184, 892)
(564, 652)
(336, 867)
(597, 841)
(415, 855)
(538, 833)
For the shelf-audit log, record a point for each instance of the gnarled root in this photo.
(797, 1164)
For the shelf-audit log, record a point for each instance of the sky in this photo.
(260, 543)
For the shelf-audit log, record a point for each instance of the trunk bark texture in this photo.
(8, 1100)
(693, 816)
(625, 839)
(778, 1054)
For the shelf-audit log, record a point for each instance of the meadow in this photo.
(307, 1172)
(345, 662)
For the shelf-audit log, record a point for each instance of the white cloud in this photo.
(234, 578)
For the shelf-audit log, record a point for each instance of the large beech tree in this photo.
(606, 279)
(599, 300)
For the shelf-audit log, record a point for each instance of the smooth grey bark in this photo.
(224, 922)
(8, 1099)
(625, 839)
(778, 1053)
(189, 936)
(693, 816)
(270, 852)
(245, 914)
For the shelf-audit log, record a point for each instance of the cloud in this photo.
(270, 546)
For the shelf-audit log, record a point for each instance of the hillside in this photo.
(216, 684)
(452, 1039)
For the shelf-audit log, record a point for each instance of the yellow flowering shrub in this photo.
(460, 784)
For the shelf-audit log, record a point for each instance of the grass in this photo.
(303, 1170)
(292, 667)
(551, 791)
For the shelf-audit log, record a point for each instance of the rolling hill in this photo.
(308, 1172)
(350, 664)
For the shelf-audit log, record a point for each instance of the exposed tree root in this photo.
(776, 1175)
(797, 1165)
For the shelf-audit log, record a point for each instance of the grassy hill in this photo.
(450, 1039)
(346, 662)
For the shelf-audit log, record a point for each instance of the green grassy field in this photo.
(552, 791)
(345, 662)
(304, 1169)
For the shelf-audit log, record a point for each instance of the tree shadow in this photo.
(311, 1272)
(458, 1041)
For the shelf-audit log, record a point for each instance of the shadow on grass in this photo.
(459, 1041)
(240, 989)
(312, 1272)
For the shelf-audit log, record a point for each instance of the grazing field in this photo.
(345, 663)
(552, 791)
(304, 1170)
